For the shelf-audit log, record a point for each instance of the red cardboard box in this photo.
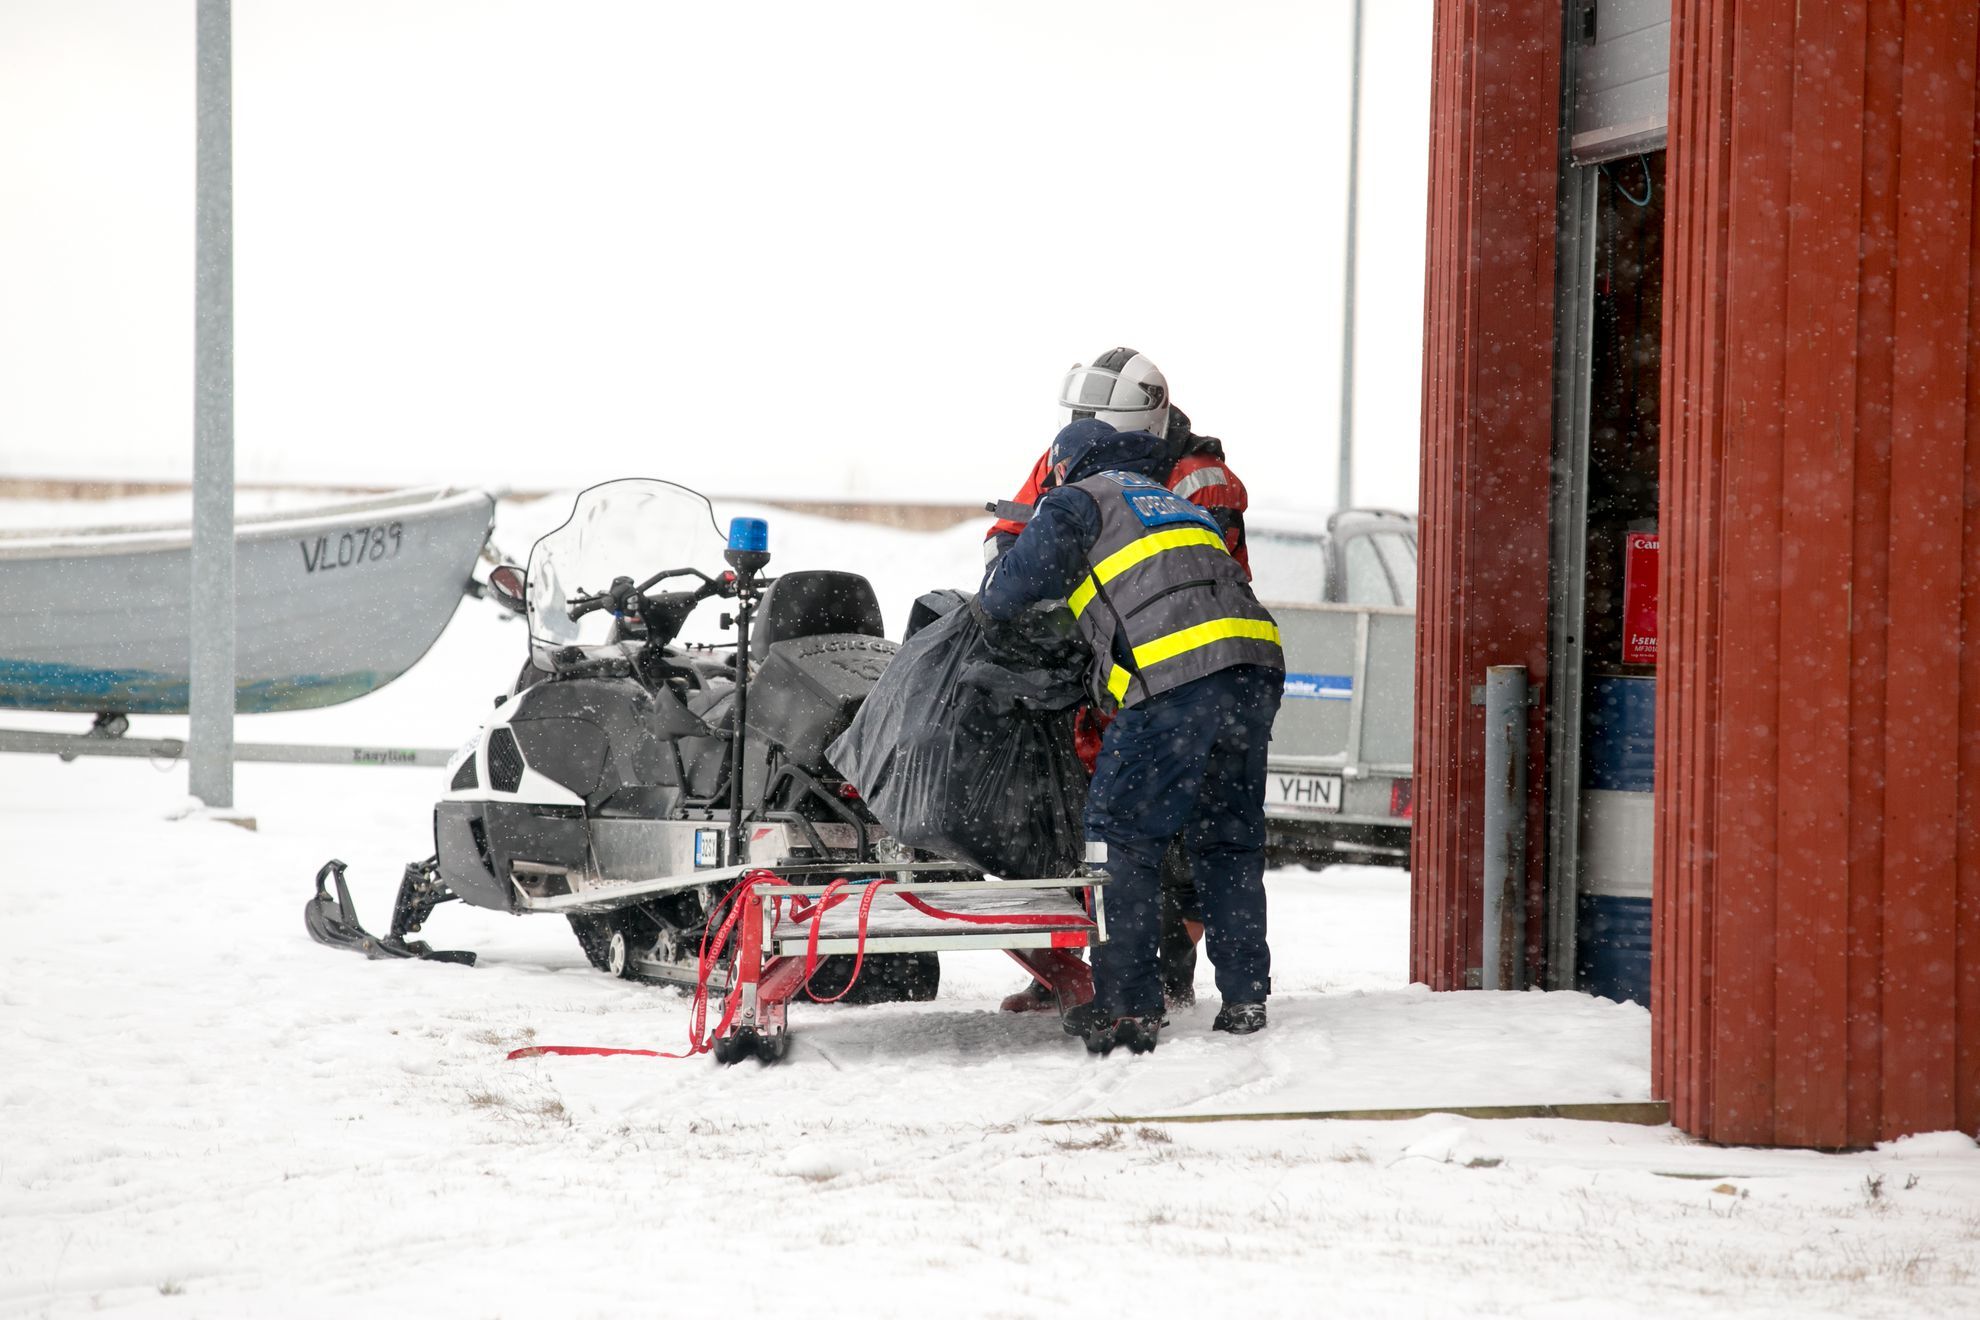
(1639, 598)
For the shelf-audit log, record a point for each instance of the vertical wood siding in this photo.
(1817, 958)
(1487, 430)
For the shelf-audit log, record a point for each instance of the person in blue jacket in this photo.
(1191, 661)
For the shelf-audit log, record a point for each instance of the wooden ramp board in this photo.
(1644, 1113)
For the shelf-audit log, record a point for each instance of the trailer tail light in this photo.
(1401, 798)
(848, 792)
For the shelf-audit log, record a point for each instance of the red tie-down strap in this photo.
(815, 914)
(722, 922)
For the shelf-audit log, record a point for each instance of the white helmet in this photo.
(1121, 387)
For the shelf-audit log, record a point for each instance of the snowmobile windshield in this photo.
(631, 528)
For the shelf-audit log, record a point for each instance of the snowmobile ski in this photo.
(334, 921)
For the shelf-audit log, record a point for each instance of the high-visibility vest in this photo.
(1160, 573)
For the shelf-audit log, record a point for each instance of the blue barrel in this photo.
(1613, 941)
(1619, 746)
(1617, 827)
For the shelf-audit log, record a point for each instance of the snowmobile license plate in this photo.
(1303, 792)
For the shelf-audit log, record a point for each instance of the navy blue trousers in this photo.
(1189, 762)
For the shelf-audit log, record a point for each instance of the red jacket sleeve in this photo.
(1208, 482)
(1029, 493)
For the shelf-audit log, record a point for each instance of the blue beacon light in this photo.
(749, 548)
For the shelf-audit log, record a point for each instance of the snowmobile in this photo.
(634, 776)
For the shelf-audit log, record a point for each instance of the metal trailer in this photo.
(1337, 787)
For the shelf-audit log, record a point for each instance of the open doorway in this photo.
(1602, 705)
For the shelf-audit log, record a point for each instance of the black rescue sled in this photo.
(652, 790)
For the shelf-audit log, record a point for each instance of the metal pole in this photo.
(1505, 828)
(212, 696)
(739, 735)
(1345, 486)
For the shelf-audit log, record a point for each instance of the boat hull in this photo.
(330, 604)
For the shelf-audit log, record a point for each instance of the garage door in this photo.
(1621, 78)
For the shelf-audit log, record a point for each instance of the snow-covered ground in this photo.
(203, 1113)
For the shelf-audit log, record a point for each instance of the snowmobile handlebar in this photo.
(660, 615)
(624, 597)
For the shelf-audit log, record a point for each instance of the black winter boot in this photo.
(1103, 1033)
(1240, 1019)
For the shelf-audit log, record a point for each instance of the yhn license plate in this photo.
(1306, 792)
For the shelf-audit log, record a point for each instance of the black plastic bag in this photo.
(965, 745)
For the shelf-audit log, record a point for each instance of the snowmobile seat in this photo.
(813, 602)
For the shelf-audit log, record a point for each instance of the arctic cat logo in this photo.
(868, 670)
(862, 657)
(824, 645)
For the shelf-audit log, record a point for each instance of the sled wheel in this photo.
(618, 954)
(771, 1048)
(735, 1047)
(605, 944)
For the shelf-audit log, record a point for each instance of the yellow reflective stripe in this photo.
(1134, 552)
(1204, 634)
(1117, 683)
(1191, 639)
(1155, 543)
(1082, 597)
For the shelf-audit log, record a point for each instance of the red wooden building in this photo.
(1711, 268)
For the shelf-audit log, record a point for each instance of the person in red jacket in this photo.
(1125, 388)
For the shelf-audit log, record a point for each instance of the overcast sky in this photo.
(825, 249)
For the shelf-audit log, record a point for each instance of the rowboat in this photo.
(331, 602)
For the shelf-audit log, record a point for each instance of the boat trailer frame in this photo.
(106, 738)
